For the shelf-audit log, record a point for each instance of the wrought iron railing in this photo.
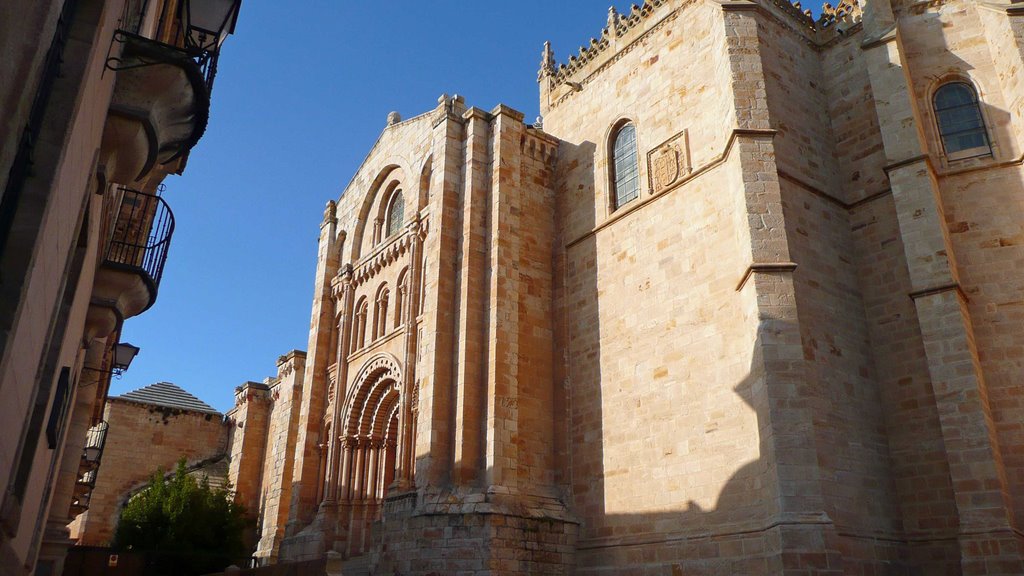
(142, 228)
(206, 61)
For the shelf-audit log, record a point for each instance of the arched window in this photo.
(625, 170)
(400, 301)
(396, 212)
(961, 126)
(359, 325)
(380, 313)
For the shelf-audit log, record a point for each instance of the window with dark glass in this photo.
(961, 126)
(396, 212)
(625, 170)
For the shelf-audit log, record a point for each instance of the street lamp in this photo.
(208, 22)
(124, 353)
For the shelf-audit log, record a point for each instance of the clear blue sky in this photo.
(302, 92)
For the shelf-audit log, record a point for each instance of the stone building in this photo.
(150, 429)
(100, 101)
(749, 300)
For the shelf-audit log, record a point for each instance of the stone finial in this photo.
(394, 118)
(547, 61)
(613, 22)
(539, 123)
(442, 98)
(329, 210)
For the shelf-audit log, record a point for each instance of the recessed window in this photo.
(961, 125)
(625, 170)
(396, 213)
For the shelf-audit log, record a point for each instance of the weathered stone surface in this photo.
(797, 351)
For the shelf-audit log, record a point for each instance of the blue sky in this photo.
(302, 92)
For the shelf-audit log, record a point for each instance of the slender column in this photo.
(348, 445)
(406, 424)
(359, 470)
(373, 468)
(345, 294)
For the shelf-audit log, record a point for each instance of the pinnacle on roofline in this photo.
(847, 11)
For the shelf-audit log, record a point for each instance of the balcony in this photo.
(92, 453)
(141, 226)
(160, 106)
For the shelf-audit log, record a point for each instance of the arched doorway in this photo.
(369, 437)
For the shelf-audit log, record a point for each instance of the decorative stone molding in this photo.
(389, 253)
(668, 163)
(833, 22)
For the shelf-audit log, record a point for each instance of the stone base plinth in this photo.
(474, 534)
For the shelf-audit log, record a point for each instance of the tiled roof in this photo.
(167, 394)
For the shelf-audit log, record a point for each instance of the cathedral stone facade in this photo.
(748, 300)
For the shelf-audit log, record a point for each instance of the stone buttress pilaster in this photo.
(503, 354)
(471, 361)
(989, 543)
(345, 298)
(434, 423)
(319, 355)
(786, 401)
(410, 395)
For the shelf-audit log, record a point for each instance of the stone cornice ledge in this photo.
(697, 172)
(765, 267)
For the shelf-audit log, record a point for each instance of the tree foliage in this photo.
(184, 526)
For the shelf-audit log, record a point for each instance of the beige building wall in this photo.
(63, 160)
(796, 352)
(142, 439)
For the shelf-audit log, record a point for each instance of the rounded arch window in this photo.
(625, 169)
(961, 126)
(395, 213)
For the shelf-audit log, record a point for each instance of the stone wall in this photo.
(795, 352)
(143, 438)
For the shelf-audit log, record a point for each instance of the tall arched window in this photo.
(396, 212)
(359, 325)
(625, 170)
(400, 301)
(961, 126)
(380, 313)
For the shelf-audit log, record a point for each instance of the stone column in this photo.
(406, 423)
(359, 470)
(373, 447)
(345, 478)
(345, 297)
(306, 459)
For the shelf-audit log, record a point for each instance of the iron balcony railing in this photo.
(142, 228)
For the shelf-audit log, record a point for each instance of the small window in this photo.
(625, 170)
(396, 213)
(961, 126)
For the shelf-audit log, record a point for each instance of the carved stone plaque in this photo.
(666, 167)
(668, 163)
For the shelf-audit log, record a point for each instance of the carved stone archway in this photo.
(369, 436)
